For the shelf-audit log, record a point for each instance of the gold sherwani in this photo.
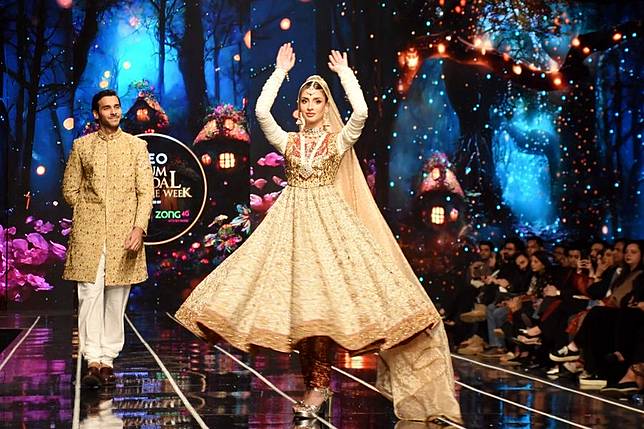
(312, 268)
(108, 183)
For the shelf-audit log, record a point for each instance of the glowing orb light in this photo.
(411, 58)
(206, 159)
(41, 170)
(247, 39)
(285, 24)
(68, 123)
(453, 215)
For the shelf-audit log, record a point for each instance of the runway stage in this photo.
(169, 378)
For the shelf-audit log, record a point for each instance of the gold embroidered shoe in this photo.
(302, 411)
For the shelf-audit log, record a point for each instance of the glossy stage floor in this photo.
(169, 378)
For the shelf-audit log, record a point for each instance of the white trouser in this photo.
(101, 309)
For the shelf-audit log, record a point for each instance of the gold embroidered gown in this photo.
(311, 268)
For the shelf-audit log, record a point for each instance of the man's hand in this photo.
(135, 241)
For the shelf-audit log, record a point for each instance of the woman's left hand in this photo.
(338, 61)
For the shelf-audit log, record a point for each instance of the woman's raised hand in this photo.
(338, 61)
(285, 57)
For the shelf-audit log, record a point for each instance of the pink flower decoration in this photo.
(262, 204)
(271, 159)
(19, 245)
(279, 181)
(38, 282)
(66, 226)
(43, 227)
(259, 183)
(58, 250)
(37, 240)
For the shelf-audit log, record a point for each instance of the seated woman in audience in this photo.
(497, 312)
(610, 334)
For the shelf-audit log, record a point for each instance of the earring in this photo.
(300, 121)
(327, 122)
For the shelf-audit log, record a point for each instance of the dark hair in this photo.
(620, 240)
(575, 246)
(600, 241)
(100, 94)
(517, 254)
(539, 240)
(486, 243)
(627, 270)
(315, 85)
(519, 246)
(542, 256)
(640, 244)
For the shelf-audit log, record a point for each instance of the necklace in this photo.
(313, 133)
(307, 162)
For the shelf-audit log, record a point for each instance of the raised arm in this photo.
(351, 131)
(275, 135)
(353, 128)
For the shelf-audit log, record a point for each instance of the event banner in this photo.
(180, 188)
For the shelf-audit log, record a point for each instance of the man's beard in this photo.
(106, 123)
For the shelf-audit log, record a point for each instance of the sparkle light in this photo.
(441, 48)
(237, 57)
(103, 84)
(617, 36)
(68, 123)
(107, 74)
(41, 170)
(247, 39)
(516, 69)
(285, 24)
(127, 65)
(453, 215)
(206, 159)
(411, 58)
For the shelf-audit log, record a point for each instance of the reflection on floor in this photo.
(37, 387)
